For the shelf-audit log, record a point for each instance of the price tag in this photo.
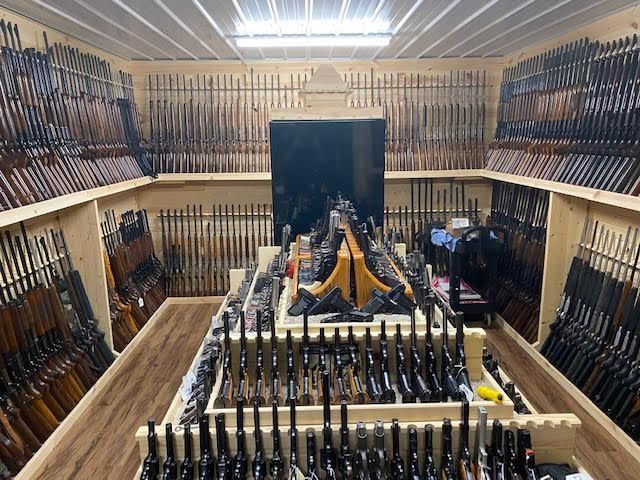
(187, 385)
(140, 302)
(460, 223)
(467, 393)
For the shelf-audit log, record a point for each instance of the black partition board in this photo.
(313, 159)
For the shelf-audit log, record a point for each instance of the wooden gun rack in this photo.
(339, 277)
(365, 281)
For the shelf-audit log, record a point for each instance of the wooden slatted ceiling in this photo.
(206, 29)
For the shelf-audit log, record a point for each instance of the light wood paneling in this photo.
(435, 66)
(565, 222)
(82, 233)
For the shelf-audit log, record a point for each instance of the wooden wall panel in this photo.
(438, 66)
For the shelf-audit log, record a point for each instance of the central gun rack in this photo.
(553, 435)
(349, 254)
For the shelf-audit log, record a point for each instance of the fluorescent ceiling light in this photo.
(353, 26)
(314, 41)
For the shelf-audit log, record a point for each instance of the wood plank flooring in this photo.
(596, 448)
(101, 445)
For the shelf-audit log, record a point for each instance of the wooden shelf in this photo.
(407, 175)
(213, 177)
(35, 210)
(620, 200)
(26, 212)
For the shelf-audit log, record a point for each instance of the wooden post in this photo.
(81, 227)
(565, 220)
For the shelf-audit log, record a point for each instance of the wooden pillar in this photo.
(565, 220)
(81, 227)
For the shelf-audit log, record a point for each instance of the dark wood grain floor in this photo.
(101, 445)
(596, 448)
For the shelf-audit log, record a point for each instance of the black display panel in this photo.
(313, 159)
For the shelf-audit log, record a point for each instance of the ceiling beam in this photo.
(152, 27)
(115, 24)
(186, 28)
(73, 19)
(573, 14)
(400, 24)
(519, 25)
(462, 24)
(487, 27)
(218, 30)
(429, 25)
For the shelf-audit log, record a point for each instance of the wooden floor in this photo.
(101, 445)
(596, 449)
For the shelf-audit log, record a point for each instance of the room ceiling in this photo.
(207, 29)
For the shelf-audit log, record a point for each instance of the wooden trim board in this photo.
(48, 447)
(15, 215)
(195, 300)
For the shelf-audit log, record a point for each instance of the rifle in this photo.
(224, 467)
(151, 465)
(373, 389)
(276, 386)
(206, 465)
(388, 395)
(186, 467)
(362, 456)
(482, 469)
(276, 465)
(418, 384)
(525, 459)
(465, 468)
(327, 452)
(340, 389)
(429, 470)
(240, 460)
(413, 472)
(450, 385)
(292, 387)
(378, 461)
(226, 389)
(510, 456)
(312, 469)
(397, 462)
(430, 357)
(345, 456)
(259, 463)
(243, 377)
(322, 366)
(169, 467)
(293, 437)
(447, 468)
(259, 391)
(459, 367)
(496, 455)
(358, 394)
(306, 396)
(404, 384)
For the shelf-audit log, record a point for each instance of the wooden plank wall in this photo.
(493, 66)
